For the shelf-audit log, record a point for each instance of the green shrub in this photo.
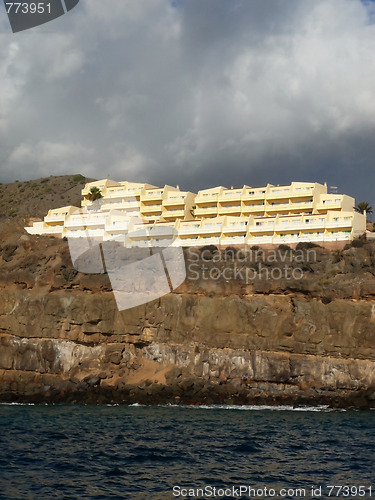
(79, 178)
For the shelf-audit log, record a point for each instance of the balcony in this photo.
(255, 196)
(206, 229)
(279, 240)
(53, 229)
(311, 225)
(76, 234)
(232, 197)
(55, 218)
(297, 208)
(234, 229)
(278, 196)
(206, 212)
(247, 209)
(189, 230)
(91, 221)
(121, 204)
(152, 196)
(75, 222)
(229, 210)
(168, 232)
(261, 229)
(116, 226)
(187, 242)
(339, 223)
(98, 232)
(235, 240)
(167, 214)
(147, 209)
(209, 198)
(332, 205)
(279, 208)
(122, 193)
(116, 237)
(254, 240)
(213, 240)
(178, 201)
(337, 237)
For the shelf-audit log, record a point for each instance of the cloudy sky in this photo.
(194, 92)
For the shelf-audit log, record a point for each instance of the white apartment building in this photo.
(138, 214)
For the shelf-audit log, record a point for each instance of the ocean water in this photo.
(112, 452)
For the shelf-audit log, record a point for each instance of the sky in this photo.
(197, 93)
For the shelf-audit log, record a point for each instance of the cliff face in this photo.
(231, 333)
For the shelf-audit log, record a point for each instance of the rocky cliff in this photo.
(295, 327)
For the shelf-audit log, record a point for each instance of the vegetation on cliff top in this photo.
(22, 201)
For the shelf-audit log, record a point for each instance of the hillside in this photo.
(21, 201)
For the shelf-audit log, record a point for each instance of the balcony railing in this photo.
(55, 218)
(151, 196)
(171, 202)
(234, 229)
(145, 209)
(233, 197)
(259, 229)
(329, 205)
(53, 229)
(207, 199)
(256, 196)
(229, 210)
(237, 240)
(339, 223)
(208, 241)
(189, 230)
(252, 208)
(204, 212)
(76, 234)
(173, 213)
(253, 240)
(75, 222)
(118, 226)
(278, 208)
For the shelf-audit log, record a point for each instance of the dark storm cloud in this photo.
(194, 92)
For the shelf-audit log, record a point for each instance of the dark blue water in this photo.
(84, 452)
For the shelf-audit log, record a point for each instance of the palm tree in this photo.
(95, 194)
(364, 206)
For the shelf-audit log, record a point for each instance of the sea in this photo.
(166, 452)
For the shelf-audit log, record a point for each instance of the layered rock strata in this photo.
(232, 333)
